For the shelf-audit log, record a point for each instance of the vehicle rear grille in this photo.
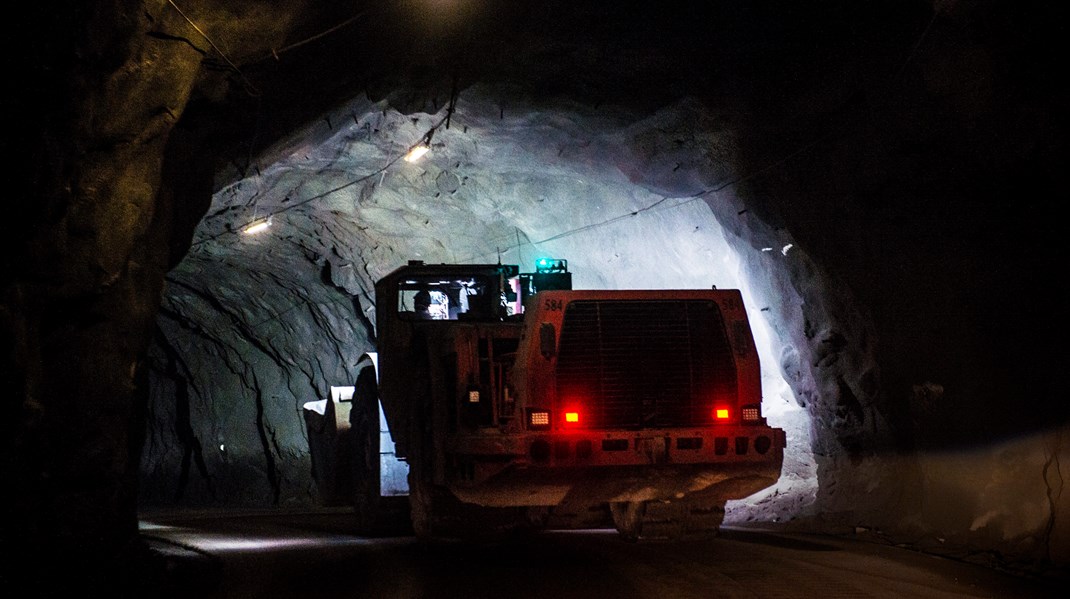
(645, 363)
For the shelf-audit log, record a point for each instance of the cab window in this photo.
(444, 298)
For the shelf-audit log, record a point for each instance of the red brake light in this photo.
(721, 414)
(572, 417)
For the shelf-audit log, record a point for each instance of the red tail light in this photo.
(571, 414)
(722, 413)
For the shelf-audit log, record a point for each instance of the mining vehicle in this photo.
(518, 402)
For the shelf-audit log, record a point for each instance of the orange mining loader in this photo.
(519, 401)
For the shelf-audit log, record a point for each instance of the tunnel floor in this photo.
(314, 554)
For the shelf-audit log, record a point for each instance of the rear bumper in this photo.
(543, 468)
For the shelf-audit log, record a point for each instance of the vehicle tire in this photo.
(437, 514)
(433, 511)
(420, 505)
(667, 520)
(364, 424)
(704, 519)
(628, 518)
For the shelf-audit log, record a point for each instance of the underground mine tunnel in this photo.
(877, 179)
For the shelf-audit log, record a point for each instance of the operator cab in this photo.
(438, 297)
(473, 292)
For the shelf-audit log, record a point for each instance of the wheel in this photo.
(364, 424)
(434, 512)
(421, 488)
(420, 504)
(667, 520)
(437, 514)
(628, 518)
(704, 520)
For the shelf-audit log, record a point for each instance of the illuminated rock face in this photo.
(256, 324)
(882, 181)
(632, 198)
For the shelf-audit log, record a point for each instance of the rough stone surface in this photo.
(252, 328)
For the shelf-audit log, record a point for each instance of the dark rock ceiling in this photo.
(902, 133)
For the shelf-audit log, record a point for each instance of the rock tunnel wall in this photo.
(252, 327)
(507, 183)
(852, 196)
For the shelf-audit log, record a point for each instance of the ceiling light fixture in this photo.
(257, 226)
(416, 152)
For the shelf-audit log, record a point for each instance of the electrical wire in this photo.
(249, 87)
(652, 207)
(747, 176)
(382, 169)
(446, 120)
(275, 52)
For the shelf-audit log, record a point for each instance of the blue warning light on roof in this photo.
(548, 265)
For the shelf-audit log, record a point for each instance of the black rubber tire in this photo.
(628, 518)
(421, 506)
(667, 520)
(364, 424)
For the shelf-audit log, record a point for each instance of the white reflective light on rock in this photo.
(416, 153)
(215, 543)
(257, 227)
